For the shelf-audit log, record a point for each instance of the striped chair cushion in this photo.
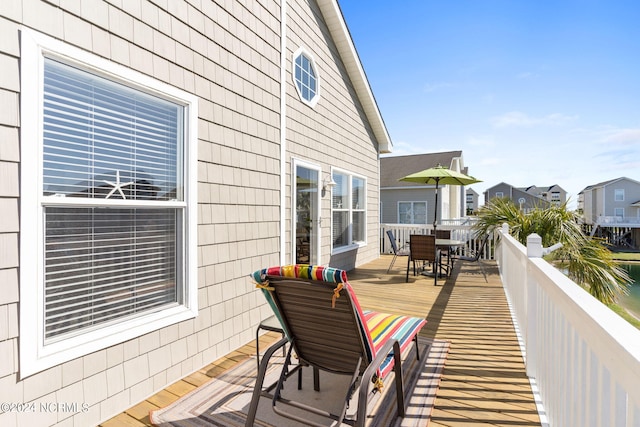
(383, 326)
(377, 328)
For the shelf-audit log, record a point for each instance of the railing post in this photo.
(505, 232)
(534, 250)
(534, 246)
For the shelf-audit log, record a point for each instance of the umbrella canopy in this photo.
(439, 175)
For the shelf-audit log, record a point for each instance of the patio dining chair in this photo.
(328, 330)
(423, 250)
(397, 251)
(475, 255)
(445, 252)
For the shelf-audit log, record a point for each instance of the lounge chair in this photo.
(328, 330)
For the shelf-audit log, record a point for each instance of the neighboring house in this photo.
(553, 194)
(153, 155)
(411, 203)
(528, 198)
(616, 201)
(472, 199)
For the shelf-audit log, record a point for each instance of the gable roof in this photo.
(498, 185)
(535, 189)
(395, 167)
(344, 43)
(608, 182)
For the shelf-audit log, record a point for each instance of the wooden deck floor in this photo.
(484, 381)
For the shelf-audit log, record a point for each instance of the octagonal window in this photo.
(305, 76)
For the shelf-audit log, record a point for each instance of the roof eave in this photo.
(344, 43)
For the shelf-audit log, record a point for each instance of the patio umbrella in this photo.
(439, 175)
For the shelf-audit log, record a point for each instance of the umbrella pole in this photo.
(435, 210)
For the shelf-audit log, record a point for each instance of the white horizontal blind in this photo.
(98, 134)
(107, 142)
(104, 264)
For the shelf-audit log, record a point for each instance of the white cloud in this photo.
(513, 118)
(519, 119)
(402, 148)
(488, 98)
(623, 136)
(481, 141)
(432, 87)
(526, 75)
(491, 161)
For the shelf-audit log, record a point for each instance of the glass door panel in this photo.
(307, 215)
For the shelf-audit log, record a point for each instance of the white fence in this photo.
(461, 229)
(583, 358)
(617, 220)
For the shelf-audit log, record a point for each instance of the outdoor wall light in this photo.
(328, 183)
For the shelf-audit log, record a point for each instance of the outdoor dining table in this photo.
(449, 243)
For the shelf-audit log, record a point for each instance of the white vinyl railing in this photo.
(461, 229)
(617, 220)
(583, 359)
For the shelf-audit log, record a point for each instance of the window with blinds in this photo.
(113, 201)
(348, 210)
(108, 207)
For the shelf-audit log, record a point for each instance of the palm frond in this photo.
(589, 262)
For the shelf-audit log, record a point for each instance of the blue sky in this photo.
(533, 92)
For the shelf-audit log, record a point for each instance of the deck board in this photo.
(484, 380)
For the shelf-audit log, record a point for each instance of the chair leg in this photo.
(399, 380)
(484, 274)
(408, 266)
(392, 262)
(258, 347)
(257, 389)
(316, 379)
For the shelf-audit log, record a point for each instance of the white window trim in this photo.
(615, 195)
(351, 245)
(302, 51)
(34, 356)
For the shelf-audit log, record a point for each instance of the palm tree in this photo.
(587, 260)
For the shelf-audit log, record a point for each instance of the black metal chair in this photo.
(402, 251)
(477, 254)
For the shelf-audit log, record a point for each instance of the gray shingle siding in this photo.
(228, 54)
